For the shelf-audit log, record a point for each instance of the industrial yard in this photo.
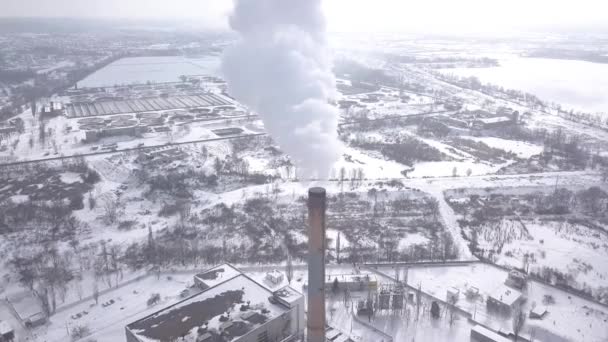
(176, 190)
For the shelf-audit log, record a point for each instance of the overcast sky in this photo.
(432, 16)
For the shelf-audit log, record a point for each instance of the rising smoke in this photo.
(281, 69)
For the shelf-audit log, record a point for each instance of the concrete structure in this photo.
(7, 334)
(516, 279)
(94, 136)
(492, 123)
(27, 309)
(275, 277)
(353, 282)
(233, 308)
(472, 292)
(482, 334)
(538, 312)
(216, 275)
(53, 108)
(316, 265)
(335, 335)
(142, 105)
(452, 295)
(504, 299)
(161, 156)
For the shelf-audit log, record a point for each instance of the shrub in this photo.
(154, 299)
(79, 332)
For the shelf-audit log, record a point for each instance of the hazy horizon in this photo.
(431, 17)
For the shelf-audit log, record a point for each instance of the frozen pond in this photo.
(153, 69)
(573, 84)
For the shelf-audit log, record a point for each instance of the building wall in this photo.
(276, 329)
(130, 336)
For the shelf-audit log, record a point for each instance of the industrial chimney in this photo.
(316, 265)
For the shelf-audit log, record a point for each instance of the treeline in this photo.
(404, 150)
(591, 202)
(473, 83)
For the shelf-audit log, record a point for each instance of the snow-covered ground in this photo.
(568, 247)
(520, 148)
(571, 317)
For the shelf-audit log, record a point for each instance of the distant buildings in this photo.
(493, 123)
(232, 308)
(53, 109)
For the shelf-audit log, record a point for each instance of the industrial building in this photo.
(7, 334)
(504, 299)
(352, 282)
(150, 104)
(52, 109)
(232, 308)
(493, 123)
(482, 334)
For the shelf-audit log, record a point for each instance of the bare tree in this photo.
(338, 248)
(110, 208)
(96, 291)
(519, 320)
(452, 309)
(289, 269)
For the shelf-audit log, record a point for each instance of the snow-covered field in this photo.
(154, 69)
(568, 247)
(555, 80)
(520, 148)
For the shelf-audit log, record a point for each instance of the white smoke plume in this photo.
(281, 69)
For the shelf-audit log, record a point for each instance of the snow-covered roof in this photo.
(505, 295)
(539, 310)
(217, 275)
(5, 328)
(494, 120)
(287, 295)
(275, 273)
(350, 278)
(231, 308)
(488, 333)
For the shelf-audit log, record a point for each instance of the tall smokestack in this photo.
(316, 265)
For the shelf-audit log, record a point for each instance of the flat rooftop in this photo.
(351, 278)
(231, 308)
(495, 120)
(218, 275)
(488, 334)
(506, 295)
(5, 328)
